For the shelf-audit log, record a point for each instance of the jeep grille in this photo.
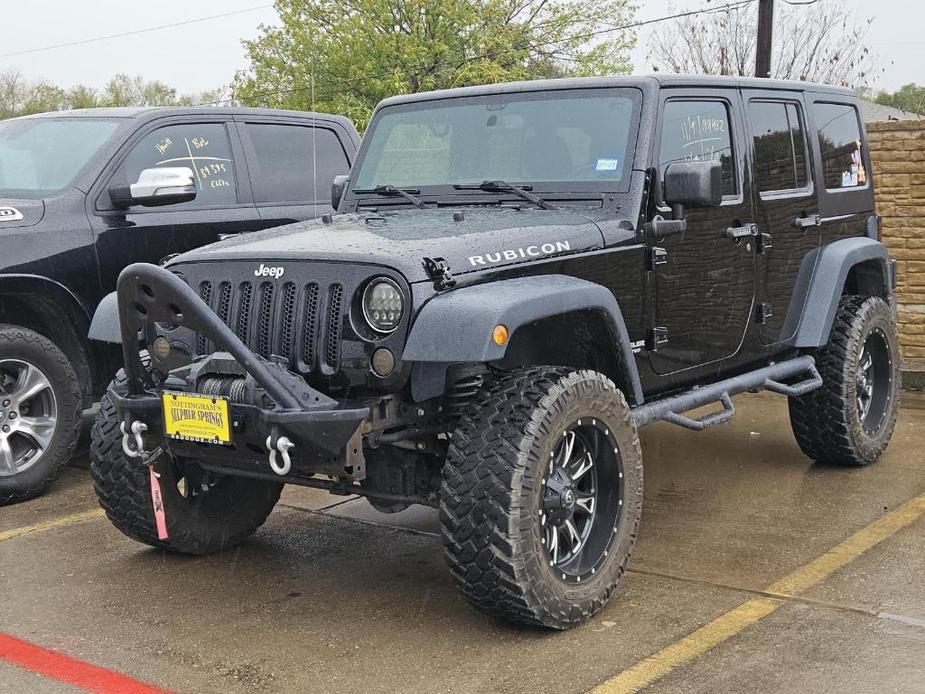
(300, 322)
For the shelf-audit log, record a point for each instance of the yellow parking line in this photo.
(52, 523)
(695, 644)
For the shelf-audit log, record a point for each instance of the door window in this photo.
(840, 145)
(698, 131)
(780, 146)
(202, 147)
(295, 163)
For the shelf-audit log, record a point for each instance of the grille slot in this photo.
(287, 326)
(265, 320)
(310, 329)
(332, 338)
(205, 293)
(244, 312)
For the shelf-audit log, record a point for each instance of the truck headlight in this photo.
(383, 305)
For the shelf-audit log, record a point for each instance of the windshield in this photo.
(583, 136)
(41, 155)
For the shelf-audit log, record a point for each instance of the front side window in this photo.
(840, 144)
(43, 155)
(295, 163)
(698, 131)
(780, 145)
(580, 138)
(202, 147)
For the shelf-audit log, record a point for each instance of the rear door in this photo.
(786, 206)
(705, 286)
(292, 164)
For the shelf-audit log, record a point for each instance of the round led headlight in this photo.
(383, 305)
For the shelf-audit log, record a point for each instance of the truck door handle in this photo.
(739, 233)
(805, 223)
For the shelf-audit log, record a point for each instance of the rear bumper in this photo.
(273, 405)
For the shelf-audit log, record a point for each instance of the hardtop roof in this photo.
(144, 113)
(645, 82)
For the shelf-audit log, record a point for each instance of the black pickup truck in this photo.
(85, 193)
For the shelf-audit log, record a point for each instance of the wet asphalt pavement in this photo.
(332, 596)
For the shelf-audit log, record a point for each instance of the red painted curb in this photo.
(63, 668)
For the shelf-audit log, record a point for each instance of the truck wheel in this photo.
(205, 513)
(541, 496)
(40, 408)
(849, 420)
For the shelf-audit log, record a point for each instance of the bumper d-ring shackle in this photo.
(137, 429)
(281, 446)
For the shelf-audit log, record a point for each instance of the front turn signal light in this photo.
(500, 334)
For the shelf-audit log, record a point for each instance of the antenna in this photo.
(314, 151)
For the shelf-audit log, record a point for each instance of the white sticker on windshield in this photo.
(10, 214)
(607, 165)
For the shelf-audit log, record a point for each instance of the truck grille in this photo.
(302, 323)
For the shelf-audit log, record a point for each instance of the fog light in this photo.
(160, 348)
(383, 362)
(500, 334)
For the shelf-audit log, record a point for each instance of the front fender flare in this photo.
(105, 324)
(456, 327)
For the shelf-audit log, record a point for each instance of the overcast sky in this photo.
(204, 55)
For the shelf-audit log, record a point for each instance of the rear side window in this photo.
(202, 147)
(840, 144)
(294, 163)
(780, 146)
(698, 131)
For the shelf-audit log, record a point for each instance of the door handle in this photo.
(805, 223)
(742, 232)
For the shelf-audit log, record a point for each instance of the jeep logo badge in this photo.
(274, 272)
(10, 214)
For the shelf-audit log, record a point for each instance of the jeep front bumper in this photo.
(276, 422)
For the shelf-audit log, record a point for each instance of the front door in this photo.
(786, 206)
(223, 203)
(704, 281)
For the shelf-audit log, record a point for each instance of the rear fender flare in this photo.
(828, 277)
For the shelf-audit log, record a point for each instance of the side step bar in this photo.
(771, 378)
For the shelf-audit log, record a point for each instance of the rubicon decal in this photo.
(10, 214)
(520, 253)
(265, 271)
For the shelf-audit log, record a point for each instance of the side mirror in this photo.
(155, 187)
(338, 186)
(694, 184)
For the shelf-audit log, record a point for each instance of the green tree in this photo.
(909, 97)
(81, 96)
(44, 97)
(344, 56)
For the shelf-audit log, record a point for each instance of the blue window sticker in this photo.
(608, 165)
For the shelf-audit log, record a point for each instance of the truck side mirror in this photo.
(338, 186)
(155, 187)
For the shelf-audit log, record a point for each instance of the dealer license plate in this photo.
(190, 417)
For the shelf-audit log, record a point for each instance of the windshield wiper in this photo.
(498, 186)
(409, 194)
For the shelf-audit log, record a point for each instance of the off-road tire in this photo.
(492, 487)
(238, 508)
(25, 344)
(826, 422)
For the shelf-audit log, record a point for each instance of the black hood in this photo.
(20, 213)
(468, 239)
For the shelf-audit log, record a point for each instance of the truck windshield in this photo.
(583, 138)
(41, 155)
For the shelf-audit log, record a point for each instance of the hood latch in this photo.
(438, 270)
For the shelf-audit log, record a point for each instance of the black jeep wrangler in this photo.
(85, 193)
(521, 275)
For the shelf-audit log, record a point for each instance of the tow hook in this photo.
(283, 446)
(138, 428)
